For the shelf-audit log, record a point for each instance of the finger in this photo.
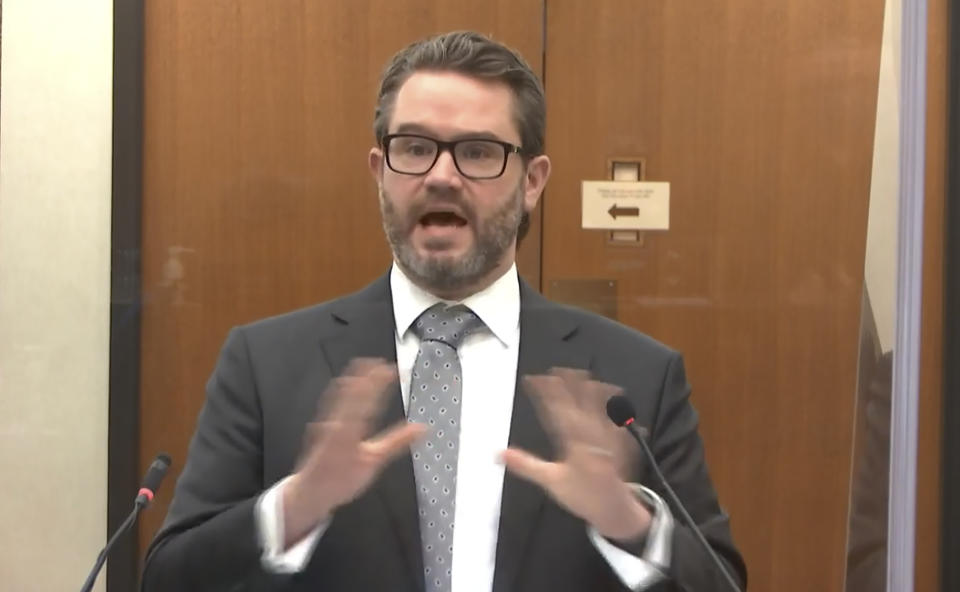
(333, 403)
(590, 397)
(598, 432)
(339, 422)
(363, 382)
(555, 408)
(584, 389)
(552, 392)
(593, 401)
(572, 377)
(337, 438)
(384, 377)
(575, 381)
(529, 467)
(347, 406)
(582, 393)
(395, 440)
(357, 394)
(376, 382)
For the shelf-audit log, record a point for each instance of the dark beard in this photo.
(494, 236)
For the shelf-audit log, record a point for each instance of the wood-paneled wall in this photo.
(761, 116)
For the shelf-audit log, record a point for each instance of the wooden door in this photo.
(761, 116)
(257, 199)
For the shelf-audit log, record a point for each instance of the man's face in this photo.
(447, 231)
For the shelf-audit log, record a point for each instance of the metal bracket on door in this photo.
(626, 168)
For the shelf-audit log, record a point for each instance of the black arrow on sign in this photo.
(614, 211)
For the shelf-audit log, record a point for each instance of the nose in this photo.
(444, 173)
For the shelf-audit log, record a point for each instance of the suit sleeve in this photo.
(677, 446)
(209, 539)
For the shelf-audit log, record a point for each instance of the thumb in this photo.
(395, 440)
(529, 467)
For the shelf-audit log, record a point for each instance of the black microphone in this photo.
(151, 482)
(620, 411)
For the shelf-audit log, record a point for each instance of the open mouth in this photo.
(444, 219)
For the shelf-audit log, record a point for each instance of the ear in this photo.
(538, 171)
(375, 162)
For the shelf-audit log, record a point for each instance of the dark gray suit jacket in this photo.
(266, 387)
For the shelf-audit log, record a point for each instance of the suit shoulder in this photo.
(289, 320)
(307, 322)
(608, 333)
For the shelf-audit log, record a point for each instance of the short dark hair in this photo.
(479, 56)
(476, 55)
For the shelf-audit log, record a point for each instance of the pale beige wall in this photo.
(880, 266)
(55, 151)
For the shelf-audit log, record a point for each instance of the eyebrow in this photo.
(416, 128)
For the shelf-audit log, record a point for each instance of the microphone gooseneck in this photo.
(151, 482)
(620, 411)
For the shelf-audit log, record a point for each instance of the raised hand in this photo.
(339, 461)
(586, 478)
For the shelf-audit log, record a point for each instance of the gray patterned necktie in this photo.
(435, 397)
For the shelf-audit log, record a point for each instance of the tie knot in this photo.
(448, 325)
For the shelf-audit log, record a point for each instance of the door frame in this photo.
(123, 428)
(950, 464)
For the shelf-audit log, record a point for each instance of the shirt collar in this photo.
(498, 305)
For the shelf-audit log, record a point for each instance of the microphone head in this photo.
(620, 410)
(156, 472)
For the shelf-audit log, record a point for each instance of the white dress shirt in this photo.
(488, 359)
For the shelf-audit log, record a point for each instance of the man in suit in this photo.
(338, 445)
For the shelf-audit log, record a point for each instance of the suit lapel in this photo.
(546, 332)
(365, 328)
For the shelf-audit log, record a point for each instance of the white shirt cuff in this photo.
(639, 573)
(269, 518)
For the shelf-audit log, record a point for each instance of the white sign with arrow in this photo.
(626, 205)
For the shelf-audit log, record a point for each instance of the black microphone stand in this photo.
(151, 482)
(138, 505)
(675, 501)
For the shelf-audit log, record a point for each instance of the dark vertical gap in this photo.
(543, 80)
(124, 408)
(950, 525)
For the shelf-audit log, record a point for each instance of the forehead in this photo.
(450, 104)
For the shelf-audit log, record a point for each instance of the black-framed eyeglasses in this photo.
(475, 158)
